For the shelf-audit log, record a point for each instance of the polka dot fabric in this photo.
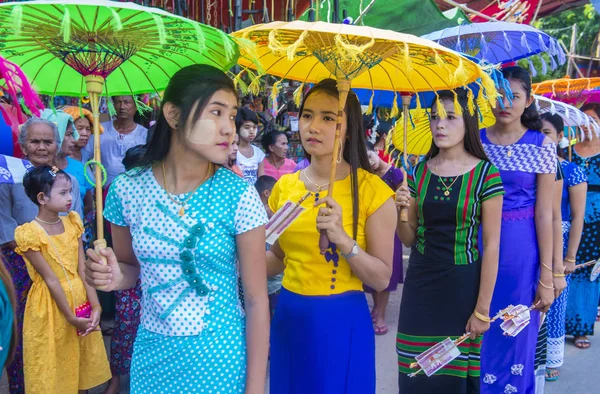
(189, 273)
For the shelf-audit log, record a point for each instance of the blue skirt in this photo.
(322, 345)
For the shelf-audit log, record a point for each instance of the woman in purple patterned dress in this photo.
(526, 159)
(393, 177)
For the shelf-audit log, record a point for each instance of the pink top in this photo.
(288, 167)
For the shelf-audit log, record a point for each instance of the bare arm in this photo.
(251, 254)
(275, 258)
(374, 266)
(261, 168)
(92, 296)
(557, 255)
(543, 224)
(577, 197)
(491, 221)
(60, 298)
(407, 231)
(128, 262)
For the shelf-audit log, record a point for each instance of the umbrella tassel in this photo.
(17, 18)
(254, 89)
(484, 45)
(544, 65)
(111, 107)
(65, 26)
(160, 27)
(532, 69)
(553, 65)
(275, 92)
(457, 107)
(200, 37)
(228, 46)
(370, 107)
(471, 101)
(395, 111)
(293, 49)
(440, 107)
(507, 44)
(543, 46)
(406, 63)
(490, 89)
(458, 46)
(298, 93)
(116, 19)
(346, 49)
(141, 106)
(461, 74)
(255, 84)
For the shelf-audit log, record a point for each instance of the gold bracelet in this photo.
(545, 266)
(570, 260)
(482, 317)
(558, 275)
(547, 287)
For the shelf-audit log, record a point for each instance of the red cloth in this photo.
(382, 155)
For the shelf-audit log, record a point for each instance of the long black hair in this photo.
(40, 180)
(355, 145)
(530, 117)
(190, 85)
(472, 140)
(559, 124)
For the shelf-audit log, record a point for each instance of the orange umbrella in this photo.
(565, 87)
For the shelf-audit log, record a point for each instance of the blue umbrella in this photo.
(501, 42)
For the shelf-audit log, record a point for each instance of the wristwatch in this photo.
(353, 252)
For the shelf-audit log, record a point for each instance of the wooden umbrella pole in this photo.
(94, 86)
(405, 104)
(343, 86)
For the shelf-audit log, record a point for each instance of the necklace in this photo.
(447, 187)
(319, 187)
(48, 223)
(183, 203)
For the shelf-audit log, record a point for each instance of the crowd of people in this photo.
(492, 217)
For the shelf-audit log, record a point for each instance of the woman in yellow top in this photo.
(63, 351)
(322, 338)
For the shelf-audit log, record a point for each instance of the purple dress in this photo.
(393, 178)
(507, 363)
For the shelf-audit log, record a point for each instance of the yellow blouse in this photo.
(307, 272)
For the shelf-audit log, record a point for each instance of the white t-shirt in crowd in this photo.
(249, 165)
(113, 146)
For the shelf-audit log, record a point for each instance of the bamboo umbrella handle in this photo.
(343, 86)
(94, 86)
(405, 104)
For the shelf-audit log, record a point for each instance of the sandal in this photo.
(582, 343)
(552, 374)
(381, 330)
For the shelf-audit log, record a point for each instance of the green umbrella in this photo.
(95, 47)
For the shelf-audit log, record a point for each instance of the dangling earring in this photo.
(340, 153)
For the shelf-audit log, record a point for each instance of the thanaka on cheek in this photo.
(203, 132)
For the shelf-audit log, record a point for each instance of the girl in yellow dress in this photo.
(63, 351)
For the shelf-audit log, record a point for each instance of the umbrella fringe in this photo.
(116, 19)
(17, 19)
(65, 26)
(293, 49)
(238, 83)
(553, 65)
(253, 88)
(544, 65)
(275, 92)
(457, 107)
(543, 46)
(440, 62)
(141, 106)
(160, 27)
(507, 44)
(483, 44)
(298, 94)
(255, 84)
(440, 107)
(460, 74)
(490, 89)
(248, 50)
(346, 49)
(111, 107)
(470, 101)
(532, 69)
(395, 111)
(406, 63)
(369, 110)
(199, 37)
(228, 46)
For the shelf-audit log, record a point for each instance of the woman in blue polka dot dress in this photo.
(179, 221)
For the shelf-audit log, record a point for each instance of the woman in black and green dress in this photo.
(449, 285)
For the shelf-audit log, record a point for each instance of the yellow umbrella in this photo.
(364, 56)
(420, 132)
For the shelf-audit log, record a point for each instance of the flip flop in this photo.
(579, 344)
(381, 330)
(550, 378)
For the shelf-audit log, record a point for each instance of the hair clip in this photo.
(53, 170)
